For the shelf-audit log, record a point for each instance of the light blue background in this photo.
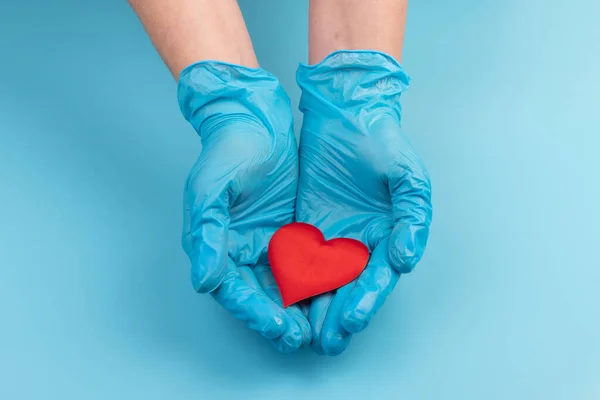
(95, 301)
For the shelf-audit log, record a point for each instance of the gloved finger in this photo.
(372, 287)
(304, 306)
(265, 278)
(208, 201)
(291, 338)
(334, 337)
(250, 305)
(316, 316)
(410, 189)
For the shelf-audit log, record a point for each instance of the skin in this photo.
(187, 31)
(218, 234)
(356, 25)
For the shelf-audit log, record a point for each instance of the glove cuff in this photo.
(211, 88)
(350, 79)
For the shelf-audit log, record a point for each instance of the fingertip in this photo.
(407, 246)
(273, 327)
(334, 338)
(291, 338)
(316, 317)
(303, 323)
(334, 343)
(255, 308)
(372, 287)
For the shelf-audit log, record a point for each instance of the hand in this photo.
(359, 178)
(240, 191)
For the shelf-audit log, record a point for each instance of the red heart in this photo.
(305, 265)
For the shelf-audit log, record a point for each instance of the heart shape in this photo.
(305, 265)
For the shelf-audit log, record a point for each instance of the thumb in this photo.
(410, 189)
(208, 231)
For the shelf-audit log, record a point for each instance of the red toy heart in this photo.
(305, 265)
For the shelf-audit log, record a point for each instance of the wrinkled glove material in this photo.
(240, 191)
(360, 178)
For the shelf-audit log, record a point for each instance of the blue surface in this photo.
(95, 296)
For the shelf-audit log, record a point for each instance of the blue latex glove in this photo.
(240, 191)
(359, 178)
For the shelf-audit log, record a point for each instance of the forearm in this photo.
(356, 25)
(186, 31)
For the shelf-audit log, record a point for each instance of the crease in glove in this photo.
(241, 189)
(361, 178)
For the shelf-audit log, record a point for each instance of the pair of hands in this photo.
(357, 176)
